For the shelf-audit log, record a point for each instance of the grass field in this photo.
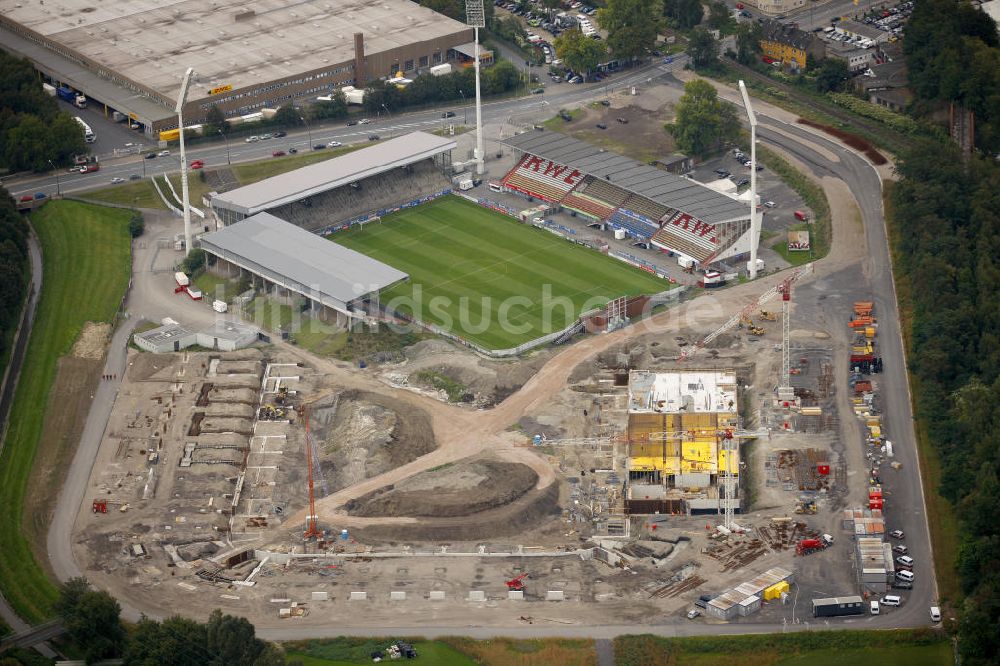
(86, 255)
(344, 651)
(488, 278)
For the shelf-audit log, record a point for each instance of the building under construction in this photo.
(682, 437)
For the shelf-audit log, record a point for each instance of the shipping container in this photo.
(837, 606)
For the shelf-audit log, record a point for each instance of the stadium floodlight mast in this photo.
(755, 216)
(475, 17)
(185, 197)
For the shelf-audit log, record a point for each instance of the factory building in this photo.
(130, 57)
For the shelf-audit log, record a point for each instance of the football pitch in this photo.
(488, 278)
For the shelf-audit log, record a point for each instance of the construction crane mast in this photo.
(785, 388)
(745, 313)
(312, 529)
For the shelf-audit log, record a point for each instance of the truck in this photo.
(182, 279)
(465, 184)
(888, 449)
(194, 293)
(838, 606)
(65, 93)
(441, 70)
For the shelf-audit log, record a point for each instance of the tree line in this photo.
(946, 234)
(33, 131)
(14, 271)
(92, 619)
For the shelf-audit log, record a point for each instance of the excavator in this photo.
(768, 316)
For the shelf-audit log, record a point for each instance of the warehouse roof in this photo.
(227, 42)
(300, 261)
(333, 173)
(655, 184)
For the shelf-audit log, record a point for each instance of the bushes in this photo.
(896, 121)
(137, 224)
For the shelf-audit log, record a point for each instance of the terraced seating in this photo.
(542, 179)
(584, 203)
(682, 233)
(613, 195)
(633, 226)
(646, 208)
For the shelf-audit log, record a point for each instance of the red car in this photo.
(739, 5)
(197, 164)
(278, 153)
(26, 198)
(90, 168)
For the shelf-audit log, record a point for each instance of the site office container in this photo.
(837, 606)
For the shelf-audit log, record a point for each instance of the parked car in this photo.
(163, 153)
(135, 176)
(352, 123)
(150, 156)
(253, 139)
(319, 146)
(873, 604)
(537, 91)
(601, 126)
(902, 585)
(935, 614)
(565, 115)
(905, 561)
(770, 204)
(26, 198)
(623, 121)
(278, 135)
(693, 613)
(891, 600)
(364, 121)
(901, 549)
(605, 102)
(265, 137)
(742, 182)
(896, 534)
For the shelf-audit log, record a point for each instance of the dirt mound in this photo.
(92, 341)
(144, 366)
(460, 489)
(535, 512)
(365, 434)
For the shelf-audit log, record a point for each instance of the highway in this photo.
(850, 273)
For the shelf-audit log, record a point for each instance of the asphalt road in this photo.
(868, 279)
(217, 154)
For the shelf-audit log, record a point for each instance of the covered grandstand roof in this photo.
(300, 261)
(654, 184)
(333, 173)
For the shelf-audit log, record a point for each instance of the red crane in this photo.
(311, 528)
(515, 584)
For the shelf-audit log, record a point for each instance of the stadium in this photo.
(406, 247)
(131, 57)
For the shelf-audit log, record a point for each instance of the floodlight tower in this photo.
(755, 217)
(475, 17)
(181, 99)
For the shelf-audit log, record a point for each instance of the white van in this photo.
(892, 600)
(905, 575)
(935, 614)
(874, 607)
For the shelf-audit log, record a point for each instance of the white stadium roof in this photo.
(300, 261)
(333, 173)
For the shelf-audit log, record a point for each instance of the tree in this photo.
(683, 14)
(287, 116)
(632, 26)
(194, 261)
(718, 16)
(380, 95)
(136, 225)
(747, 42)
(704, 122)
(702, 48)
(579, 53)
(831, 74)
(215, 121)
(92, 620)
(336, 107)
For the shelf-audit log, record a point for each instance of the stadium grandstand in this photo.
(323, 194)
(337, 282)
(670, 212)
(130, 56)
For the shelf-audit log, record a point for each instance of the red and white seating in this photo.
(683, 233)
(542, 179)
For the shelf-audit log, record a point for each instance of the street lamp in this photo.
(465, 109)
(56, 171)
(308, 131)
(223, 135)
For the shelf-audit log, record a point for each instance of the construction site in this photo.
(702, 474)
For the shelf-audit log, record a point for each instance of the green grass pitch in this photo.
(488, 278)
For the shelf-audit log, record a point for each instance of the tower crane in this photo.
(785, 390)
(745, 313)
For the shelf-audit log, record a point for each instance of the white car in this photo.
(769, 204)
(163, 153)
(265, 137)
(334, 144)
(896, 534)
(116, 180)
(253, 139)
(364, 121)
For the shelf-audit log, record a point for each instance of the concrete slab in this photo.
(477, 595)
(359, 596)
(397, 595)
(555, 595)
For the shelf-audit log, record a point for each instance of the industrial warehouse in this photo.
(132, 57)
